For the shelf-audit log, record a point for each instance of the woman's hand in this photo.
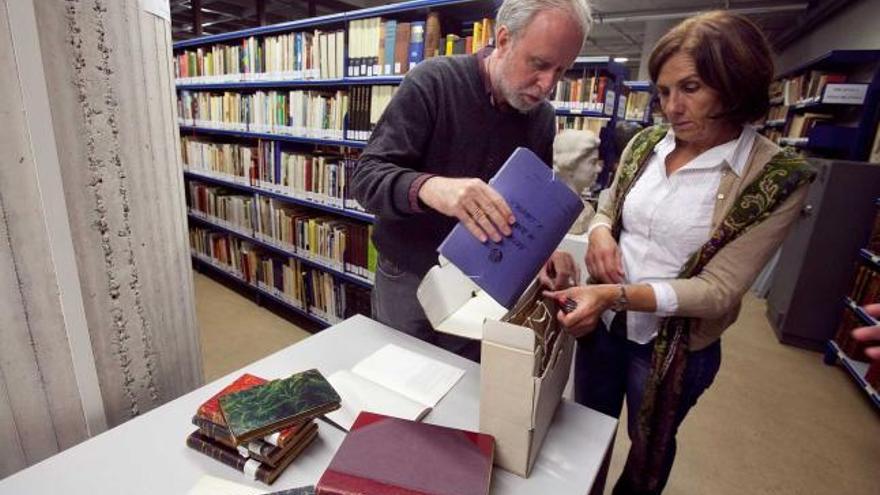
(604, 261)
(591, 300)
(559, 272)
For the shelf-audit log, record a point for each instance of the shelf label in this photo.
(845, 94)
(609, 102)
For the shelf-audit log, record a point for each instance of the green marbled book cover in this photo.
(266, 408)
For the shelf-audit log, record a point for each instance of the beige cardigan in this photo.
(714, 296)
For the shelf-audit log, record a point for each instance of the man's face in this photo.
(529, 66)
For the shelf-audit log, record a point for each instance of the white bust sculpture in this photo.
(576, 161)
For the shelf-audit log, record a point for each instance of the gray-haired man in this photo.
(450, 126)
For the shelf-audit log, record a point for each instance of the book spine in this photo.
(250, 467)
(197, 442)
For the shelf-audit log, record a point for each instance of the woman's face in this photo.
(689, 103)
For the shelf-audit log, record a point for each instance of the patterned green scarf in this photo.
(784, 174)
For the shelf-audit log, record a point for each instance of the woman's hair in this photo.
(732, 56)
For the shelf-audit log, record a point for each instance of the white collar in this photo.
(734, 153)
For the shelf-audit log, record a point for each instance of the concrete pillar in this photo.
(97, 323)
(654, 30)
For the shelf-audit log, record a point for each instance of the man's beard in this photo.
(513, 97)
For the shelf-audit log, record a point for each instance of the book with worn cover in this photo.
(302, 490)
(544, 208)
(258, 448)
(278, 404)
(401, 48)
(251, 467)
(432, 34)
(416, 43)
(210, 409)
(385, 455)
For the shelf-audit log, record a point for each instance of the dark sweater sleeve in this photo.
(546, 132)
(393, 158)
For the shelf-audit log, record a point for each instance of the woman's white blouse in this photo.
(667, 218)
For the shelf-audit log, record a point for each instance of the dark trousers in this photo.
(609, 368)
(395, 304)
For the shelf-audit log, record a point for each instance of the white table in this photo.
(148, 454)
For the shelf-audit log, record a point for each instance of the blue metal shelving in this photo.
(870, 258)
(348, 277)
(851, 143)
(296, 83)
(478, 7)
(365, 217)
(857, 369)
(865, 318)
(581, 113)
(272, 137)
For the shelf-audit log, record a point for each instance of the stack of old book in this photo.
(259, 427)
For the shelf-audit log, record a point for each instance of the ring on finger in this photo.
(478, 214)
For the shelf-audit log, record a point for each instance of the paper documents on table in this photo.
(211, 485)
(392, 381)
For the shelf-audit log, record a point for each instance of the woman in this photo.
(695, 211)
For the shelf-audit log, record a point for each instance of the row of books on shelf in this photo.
(385, 47)
(777, 112)
(638, 105)
(798, 127)
(866, 289)
(804, 88)
(343, 114)
(317, 178)
(303, 55)
(594, 124)
(855, 349)
(587, 93)
(343, 245)
(310, 290)
(376, 47)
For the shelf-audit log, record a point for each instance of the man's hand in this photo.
(867, 334)
(591, 300)
(604, 261)
(559, 272)
(482, 210)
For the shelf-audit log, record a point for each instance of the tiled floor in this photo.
(776, 421)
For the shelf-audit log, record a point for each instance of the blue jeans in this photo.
(609, 368)
(395, 304)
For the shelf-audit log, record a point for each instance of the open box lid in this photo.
(454, 304)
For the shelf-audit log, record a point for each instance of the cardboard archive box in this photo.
(520, 388)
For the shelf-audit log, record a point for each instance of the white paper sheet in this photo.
(417, 377)
(210, 485)
(360, 394)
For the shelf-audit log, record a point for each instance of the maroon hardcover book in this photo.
(386, 455)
